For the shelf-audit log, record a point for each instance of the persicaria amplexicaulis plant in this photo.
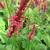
(24, 25)
(17, 23)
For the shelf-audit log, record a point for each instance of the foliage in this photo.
(41, 39)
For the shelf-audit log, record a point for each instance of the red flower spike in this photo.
(1, 4)
(44, 9)
(31, 35)
(17, 23)
(45, 5)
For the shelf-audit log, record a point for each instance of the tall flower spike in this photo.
(45, 6)
(1, 4)
(39, 5)
(17, 23)
(31, 35)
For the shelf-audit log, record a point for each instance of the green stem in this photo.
(6, 10)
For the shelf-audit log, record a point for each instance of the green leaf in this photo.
(2, 24)
(40, 47)
(47, 39)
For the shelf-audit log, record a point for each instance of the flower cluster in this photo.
(1, 4)
(16, 22)
(38, 3)
(31, 35)
(43, 8)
